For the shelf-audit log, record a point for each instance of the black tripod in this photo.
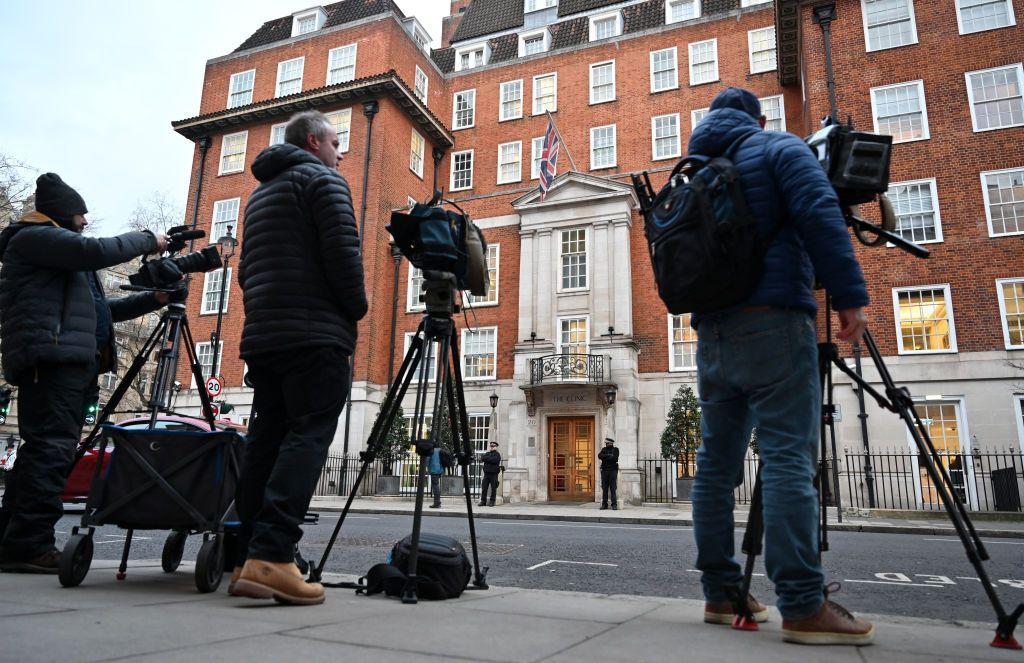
(899, 401)
(437, 327)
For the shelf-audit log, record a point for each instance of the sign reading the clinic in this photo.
(575, 397)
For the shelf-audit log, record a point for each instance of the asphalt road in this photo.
(922, 576)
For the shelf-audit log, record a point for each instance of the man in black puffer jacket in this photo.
(301, 273)
(57, 335)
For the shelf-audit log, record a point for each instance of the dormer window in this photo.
(537, 5)
(538, 41)
(471, 57)
(308, 21)
(677, 11)
(606, 26)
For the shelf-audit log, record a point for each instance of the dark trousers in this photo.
(490, 481)
(51, 409)
(297, 401)
(609, 479)
(435, 488)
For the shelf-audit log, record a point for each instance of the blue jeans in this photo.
(760, 368)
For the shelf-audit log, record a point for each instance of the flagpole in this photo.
(572, 161)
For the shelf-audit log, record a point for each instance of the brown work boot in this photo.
(723, 612)
(832, 625)
(235, 575)
(281, 581)
(45, 563)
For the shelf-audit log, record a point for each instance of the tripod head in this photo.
(439, 290)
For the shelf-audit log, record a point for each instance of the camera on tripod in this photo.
(165, 273)
(447, 246)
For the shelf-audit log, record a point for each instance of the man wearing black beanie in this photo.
(56, 336)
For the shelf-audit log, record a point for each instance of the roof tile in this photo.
(338, 13)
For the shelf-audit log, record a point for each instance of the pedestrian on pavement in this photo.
(301, 274)
(7, 459)
(436, 469)
(57, 337)
(609, 457)
(492, 466)
(758, 362)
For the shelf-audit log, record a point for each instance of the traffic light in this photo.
(91, 408)
(5, 404)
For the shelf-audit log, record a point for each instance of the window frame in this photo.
(689, 50)
(533, 107)
(472, 170)
(548, 4)
(782, 109)
(519, 163)
(462, 354)
(1002, 311)
(693, 117)
(545, 35)
(343, 145)
(413, 305)
(668, 11)
(420, 74)
(935, 206)
(988, 204)
(319, 19)
(302, 73)
(214, 370)
(270, 141)
(1019, 67)
(536, 156)
(596, 18)
(245, 147)
(679, 138)
(455, 109)
(750, 50)
(615, 92)
(925, 128)
(422, 154)
(501, 100)
(864, 22)
(203, 310)
(213, 221)
(949, 308)
(251, 90)
(470, 49)
(615, 147)
(355, 55)
(960, 23)
(496, 281)
(586, 253)
(672, 368)
(675, 69)
(431, 367)
(558, 331)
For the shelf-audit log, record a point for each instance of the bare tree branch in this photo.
(17, 187)
(156, 213)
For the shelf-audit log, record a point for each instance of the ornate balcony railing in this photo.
(586, 369)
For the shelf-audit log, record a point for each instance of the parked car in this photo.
(76, 490)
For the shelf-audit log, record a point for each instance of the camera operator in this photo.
(758, 362)
(57, 337)
(609, 457)
(301, 273)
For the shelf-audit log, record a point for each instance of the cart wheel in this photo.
(75, 560)
(174, 548)
(210, 565)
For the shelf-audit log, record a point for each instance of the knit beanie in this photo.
(57, 200)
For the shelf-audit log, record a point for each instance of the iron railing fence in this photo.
(339, 474)
(893, 479)
(587, 369)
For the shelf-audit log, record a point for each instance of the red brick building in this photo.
(573, 318)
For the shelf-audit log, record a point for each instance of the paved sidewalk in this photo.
(153, 616)
(662, 514)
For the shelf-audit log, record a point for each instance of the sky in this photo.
(90, 87)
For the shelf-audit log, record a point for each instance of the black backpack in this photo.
(442, 569)
(705, 247)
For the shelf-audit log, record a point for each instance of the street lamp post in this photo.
(227, 245)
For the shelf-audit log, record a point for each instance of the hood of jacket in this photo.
(27, 220)
(719, 129)
(276, 159)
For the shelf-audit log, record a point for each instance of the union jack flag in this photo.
(549, 158)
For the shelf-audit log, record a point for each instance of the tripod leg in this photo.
(378, 434)
(479, 575)
(123, 568)
(751, 547)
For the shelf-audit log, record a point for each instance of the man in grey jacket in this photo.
(56, 336)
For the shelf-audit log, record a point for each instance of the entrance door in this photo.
(571, 459)
(942, 421)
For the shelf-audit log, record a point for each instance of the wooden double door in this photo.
(571, 458)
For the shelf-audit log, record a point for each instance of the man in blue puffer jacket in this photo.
(758, 363)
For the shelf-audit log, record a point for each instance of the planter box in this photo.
(684, 488)
(388, 485)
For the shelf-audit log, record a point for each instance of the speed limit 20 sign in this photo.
(213, 386)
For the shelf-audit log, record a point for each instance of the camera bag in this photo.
(705, 247)
(442, 569)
